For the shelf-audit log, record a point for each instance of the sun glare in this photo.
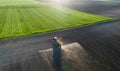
(59, 1)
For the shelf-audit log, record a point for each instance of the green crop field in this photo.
(24, 17)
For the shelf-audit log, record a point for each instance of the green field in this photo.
(24, 17)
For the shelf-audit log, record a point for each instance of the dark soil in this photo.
(100, 41)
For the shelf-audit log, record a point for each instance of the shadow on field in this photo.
(57, 56)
